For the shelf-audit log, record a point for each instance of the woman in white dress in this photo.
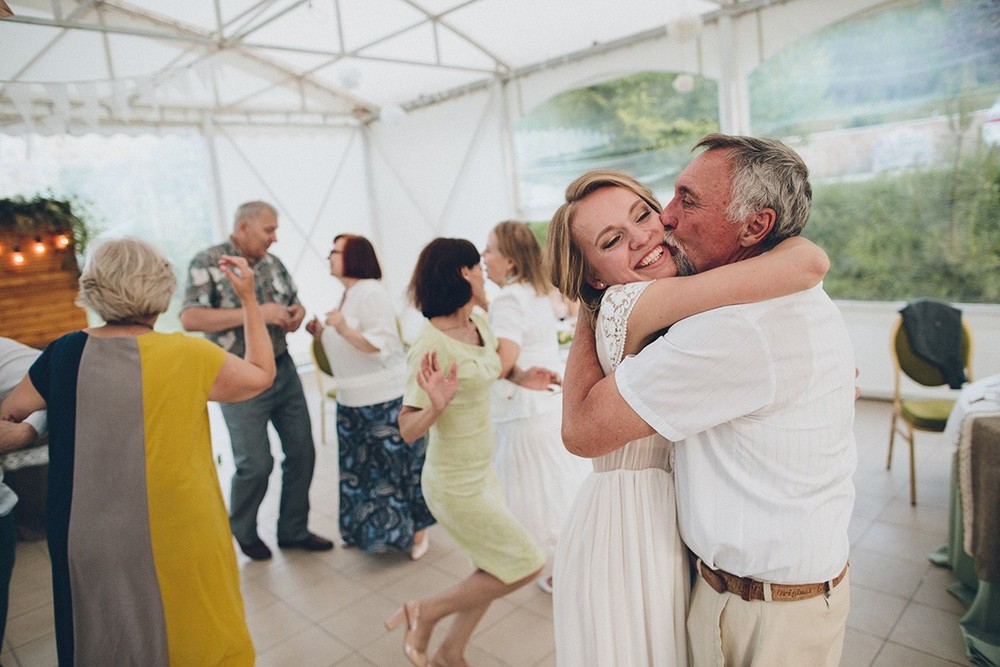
(539, 477)
(622, 569)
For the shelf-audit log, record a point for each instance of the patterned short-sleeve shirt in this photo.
(207, 287)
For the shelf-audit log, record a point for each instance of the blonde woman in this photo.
(143, 566)
(538, 475)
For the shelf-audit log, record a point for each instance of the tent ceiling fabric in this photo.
(328, 62)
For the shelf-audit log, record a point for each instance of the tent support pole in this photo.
(373, 210)
(508, 151)
(208, 136)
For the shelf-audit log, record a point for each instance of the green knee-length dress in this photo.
(459, 483)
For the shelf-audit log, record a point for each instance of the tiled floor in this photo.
(327, 609)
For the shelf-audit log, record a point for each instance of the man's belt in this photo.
(751, 589)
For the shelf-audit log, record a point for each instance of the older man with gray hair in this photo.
(211, 305)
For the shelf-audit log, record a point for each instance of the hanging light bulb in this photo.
(62, 241)
(17, 257)
(38, 248)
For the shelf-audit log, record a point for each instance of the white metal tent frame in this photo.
(313, 91)
(725, 42)
(403, 163)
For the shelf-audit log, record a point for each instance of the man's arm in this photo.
(596, 419)
(211, 320)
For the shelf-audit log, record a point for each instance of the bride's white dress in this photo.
(620, 572)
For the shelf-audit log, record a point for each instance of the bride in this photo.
(623, 575)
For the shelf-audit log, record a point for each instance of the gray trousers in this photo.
(284, 406)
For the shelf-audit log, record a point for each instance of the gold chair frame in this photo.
(324, 382)
(922, 414)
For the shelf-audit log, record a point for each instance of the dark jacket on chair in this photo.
(935, 332)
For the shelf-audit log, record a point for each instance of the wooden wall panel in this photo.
(36, 297)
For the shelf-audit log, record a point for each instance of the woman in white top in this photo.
(539, 477)
(622, 572)
(381, 502)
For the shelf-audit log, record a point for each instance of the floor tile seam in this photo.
(350, 649)
(899, 620)
(914, 649)
(515, 609)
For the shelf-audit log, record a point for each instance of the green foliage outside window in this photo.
(891, 237)
(913, 211)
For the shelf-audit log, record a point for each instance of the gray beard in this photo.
(684, 265)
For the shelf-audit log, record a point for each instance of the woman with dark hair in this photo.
(459, 483)
(381, 503)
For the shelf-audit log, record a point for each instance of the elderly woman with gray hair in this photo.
(143, 567)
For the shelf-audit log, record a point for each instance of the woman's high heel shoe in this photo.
(411, 612)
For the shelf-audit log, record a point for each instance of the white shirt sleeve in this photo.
(706, 370)
(508, 317)
(39, 420)
(373, 315)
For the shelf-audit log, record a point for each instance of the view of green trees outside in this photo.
(905, 91)
(887, 109)
(644, 124)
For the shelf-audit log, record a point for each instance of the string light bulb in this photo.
(62, 241)
(17, 257)
(38, 248)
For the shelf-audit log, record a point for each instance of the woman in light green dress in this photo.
(452, 367)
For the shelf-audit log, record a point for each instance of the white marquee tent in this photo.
(391, 119)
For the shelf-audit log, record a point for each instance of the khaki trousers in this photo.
(726, 631)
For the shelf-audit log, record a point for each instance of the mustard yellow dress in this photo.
(460, 485)
(143, 567)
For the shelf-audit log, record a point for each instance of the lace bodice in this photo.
(612, 322)
(612, 327)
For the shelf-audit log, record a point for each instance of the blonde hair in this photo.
(516, 242)
(568, 269)
(125, 279)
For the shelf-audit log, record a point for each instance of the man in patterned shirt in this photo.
(212, 306)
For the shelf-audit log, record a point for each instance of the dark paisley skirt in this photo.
(381, 502)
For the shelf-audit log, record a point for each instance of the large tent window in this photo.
(643, 124)
(896, 112)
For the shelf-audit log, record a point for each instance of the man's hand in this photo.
(296, 313)
(276, 314)
(15, 436)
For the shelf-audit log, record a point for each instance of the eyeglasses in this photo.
(334, 252)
